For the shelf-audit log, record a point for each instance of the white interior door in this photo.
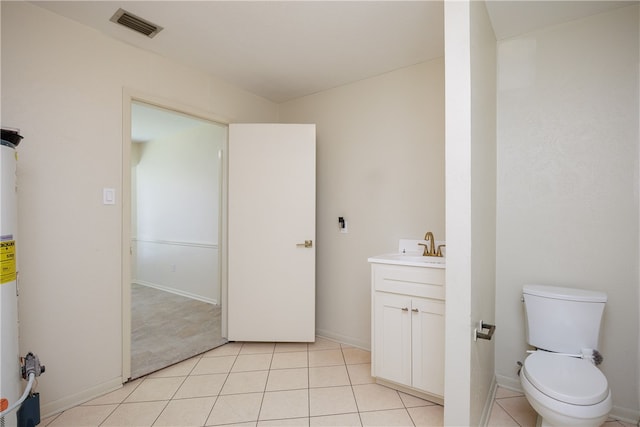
(271, 205)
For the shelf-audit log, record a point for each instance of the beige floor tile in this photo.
(283, 347)
(117, 396)
(181, 369)
(83, 416)
(323, 344)
(331, 401)
(288, 379)
(229, 349)
(354, 355)
(292, 422)
(214, 365)
(155, 389)
(412, 401)
(285, 404)
(257, 347)
(502, 392)
(44, 422)
(201, 386)
(247, 424)
(186, 412)
(235, 408)
(427, 416)
(135, 414)
(325, 358)
(268, 384)
(342, 420)
(520, 410)
(392, 417)
(360, 374)
(252, 362)
(297, 359)
(328, 376)
(245, 382)
(374, 397)
(500, 418)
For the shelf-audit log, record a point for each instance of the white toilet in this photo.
(564, 387)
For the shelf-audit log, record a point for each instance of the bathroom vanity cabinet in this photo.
(408, 327)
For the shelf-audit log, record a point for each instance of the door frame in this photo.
(128, 97)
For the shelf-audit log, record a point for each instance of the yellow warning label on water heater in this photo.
(8, 261)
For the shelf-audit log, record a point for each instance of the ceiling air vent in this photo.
(135, 23)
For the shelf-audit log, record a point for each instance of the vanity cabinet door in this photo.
(392, 337)
(427, 332)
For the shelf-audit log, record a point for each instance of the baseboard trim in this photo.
(76, 399)
(343, 339)
(488, 404)
(630, 416)
(176, 292)
(509, 383)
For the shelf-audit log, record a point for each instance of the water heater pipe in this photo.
(27, 390)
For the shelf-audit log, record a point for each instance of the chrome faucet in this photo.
(431, 251)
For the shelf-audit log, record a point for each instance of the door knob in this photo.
(306, 244)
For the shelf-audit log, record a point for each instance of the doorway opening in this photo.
(174, 284)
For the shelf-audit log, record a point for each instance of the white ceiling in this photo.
(282, 50)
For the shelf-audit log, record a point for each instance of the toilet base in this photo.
(552, 413)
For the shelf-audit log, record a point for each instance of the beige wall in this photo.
(457, 48)
(470, 70)
(380, 165)
(62, 85)
(483, 207)
(177, 212)
(567, 209)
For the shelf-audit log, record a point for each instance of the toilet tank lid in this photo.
(570, 294)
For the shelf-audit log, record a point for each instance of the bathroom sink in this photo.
(419, 258)
(410, 259)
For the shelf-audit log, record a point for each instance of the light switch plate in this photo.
(108, 196)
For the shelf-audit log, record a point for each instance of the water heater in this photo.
(10, 377)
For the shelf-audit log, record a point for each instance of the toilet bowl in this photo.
(560, 379)
(565, 390)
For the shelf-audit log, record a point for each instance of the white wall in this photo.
(380, 165)
(483, 207)
(457, 49)
(62, 85)
(470, 70)
(177, 212)
(567, 209)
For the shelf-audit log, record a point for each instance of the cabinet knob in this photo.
(415, 310)
(405, 309)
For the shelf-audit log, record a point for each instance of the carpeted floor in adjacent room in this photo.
(168, 328)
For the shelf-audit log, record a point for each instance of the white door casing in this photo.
(271, 213)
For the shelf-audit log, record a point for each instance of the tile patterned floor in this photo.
(258, 384)
(266, 384)
(511, 409)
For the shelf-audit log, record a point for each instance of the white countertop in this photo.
(410, 259)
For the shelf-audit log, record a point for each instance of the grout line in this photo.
(308, 386)
(264, 391)
(495, 401)
(223, 383)
(122, 401)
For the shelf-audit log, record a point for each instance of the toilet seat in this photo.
(567, 379)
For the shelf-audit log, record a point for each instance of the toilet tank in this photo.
(562, 320)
